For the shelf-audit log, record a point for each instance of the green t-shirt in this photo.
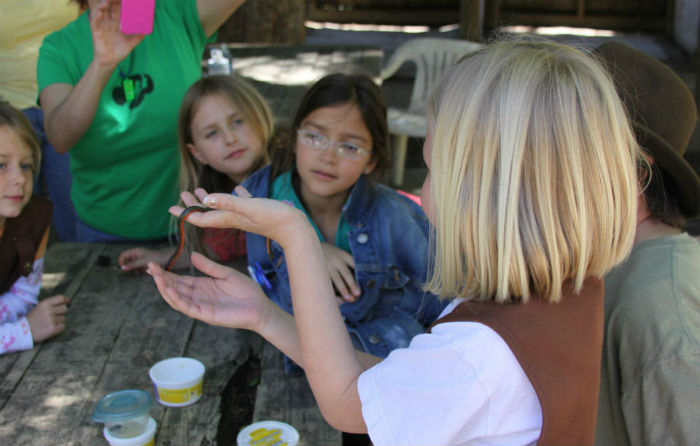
(125, 168)
(283, 190)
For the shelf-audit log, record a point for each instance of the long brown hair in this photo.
(255, 111)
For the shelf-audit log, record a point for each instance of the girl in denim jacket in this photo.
(375, 240)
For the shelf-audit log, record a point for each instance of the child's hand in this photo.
(340, 267)
(226, 298)
(267, 217)
(48, 318)
(136, 259)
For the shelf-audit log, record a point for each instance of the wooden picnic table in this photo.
(282, 73)
(118, 326)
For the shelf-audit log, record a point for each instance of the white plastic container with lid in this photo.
(177, 381)
(268, 433)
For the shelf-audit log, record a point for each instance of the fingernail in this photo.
(209, 201)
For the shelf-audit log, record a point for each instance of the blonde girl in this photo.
(532, 191)
(224, 127)
(24, 233)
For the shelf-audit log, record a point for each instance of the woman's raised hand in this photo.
(110, 45)
(226, 297)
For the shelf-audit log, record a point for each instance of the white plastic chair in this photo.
(432, 56)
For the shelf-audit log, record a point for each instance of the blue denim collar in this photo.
(360, 203)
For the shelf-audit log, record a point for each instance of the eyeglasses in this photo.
(319, 142)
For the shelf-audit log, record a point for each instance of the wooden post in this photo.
(266, 21)
(470, 20)
(491, 16)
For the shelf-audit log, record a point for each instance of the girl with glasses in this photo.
(375, 240)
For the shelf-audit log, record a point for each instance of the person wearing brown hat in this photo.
(650, 371)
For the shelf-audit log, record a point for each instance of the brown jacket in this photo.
(21, 239)
(559, 347)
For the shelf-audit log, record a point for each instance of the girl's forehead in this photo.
(12, 145)
(218, 100)
(341, 118)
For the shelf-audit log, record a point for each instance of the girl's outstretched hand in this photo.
(267, 217)
(226, 298)
(136, 259)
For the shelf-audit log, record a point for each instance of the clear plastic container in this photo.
(218, 62)
(144, 439)
(124, 413)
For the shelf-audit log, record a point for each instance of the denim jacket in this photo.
(389, 245)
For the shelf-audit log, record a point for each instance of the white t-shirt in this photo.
(458, 385)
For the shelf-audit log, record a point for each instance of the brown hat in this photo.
(662, 111)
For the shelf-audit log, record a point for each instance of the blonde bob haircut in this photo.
(534, 176)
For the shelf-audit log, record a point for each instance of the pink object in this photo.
(413, 197)
(137, 16)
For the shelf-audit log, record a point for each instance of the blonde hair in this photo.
(248, 102)
(15, 120)
(255, 111)
(535, 173)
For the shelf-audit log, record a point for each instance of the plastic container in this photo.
(177, 381)
(218, 62)
(267, 433)
(124, 413)
(144, 439)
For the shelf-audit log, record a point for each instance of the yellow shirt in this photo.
(23, 25)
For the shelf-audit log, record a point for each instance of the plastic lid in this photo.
(268, 432)
(122, 405)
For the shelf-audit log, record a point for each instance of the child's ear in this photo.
(369, 168)
(196, 153)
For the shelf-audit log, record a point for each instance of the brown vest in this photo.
(20, 240)
(558, 346)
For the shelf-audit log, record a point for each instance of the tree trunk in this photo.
(266, 21)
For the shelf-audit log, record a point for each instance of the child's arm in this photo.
(22, 295)
(15, 336)
(324, 347)
(42, 321)
(136, 259)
